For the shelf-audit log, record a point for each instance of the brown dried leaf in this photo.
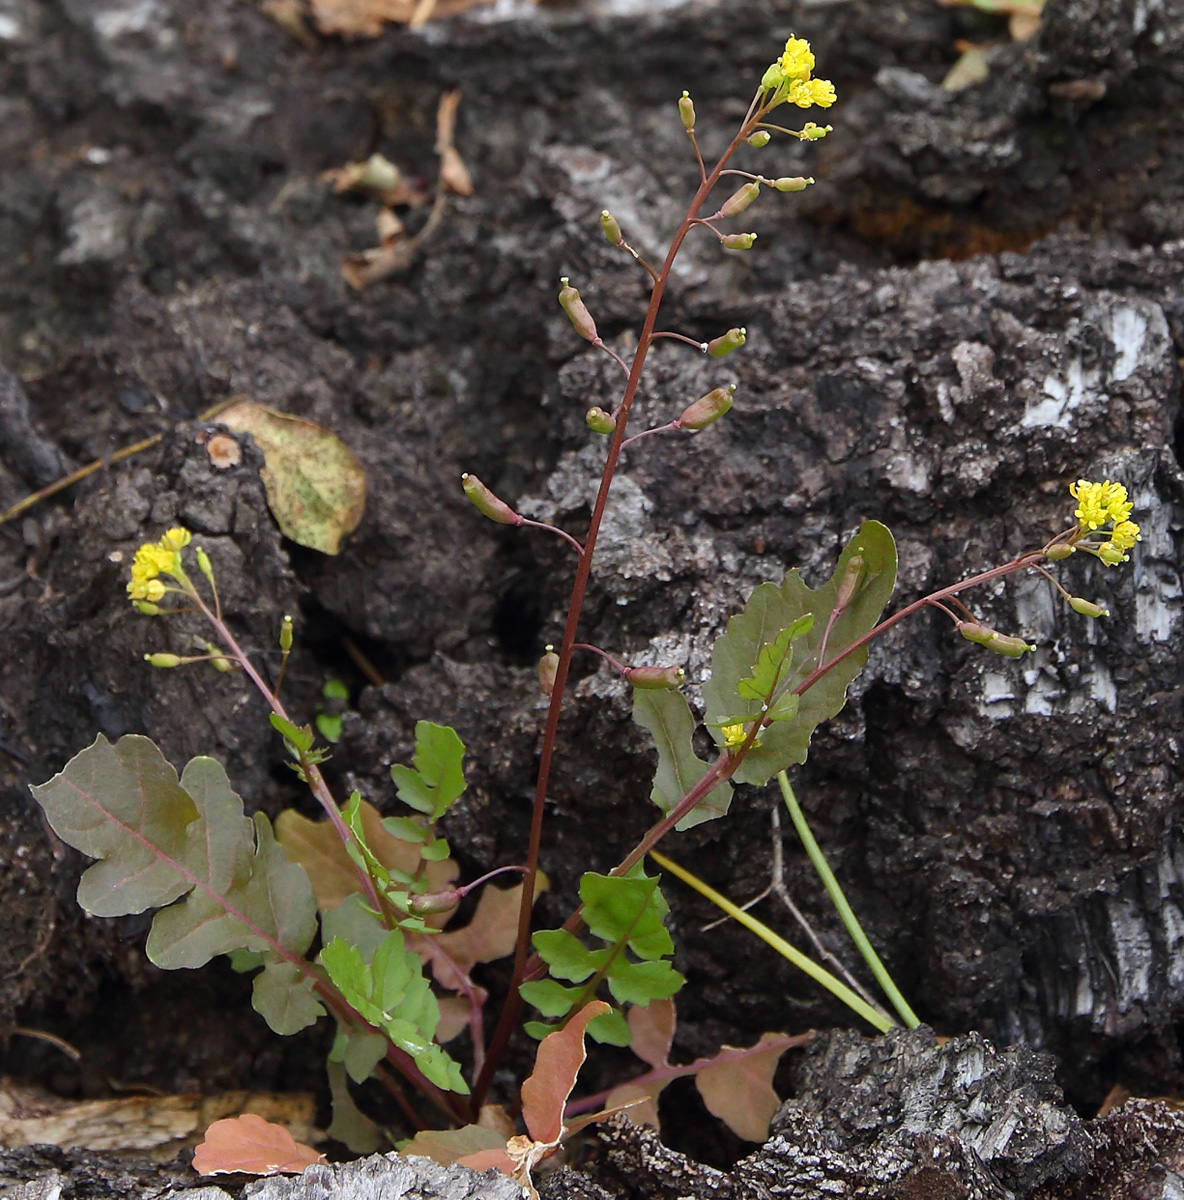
(740, 1091)
(556, 1065)
(365, 18)
(653, 1031)
(249, 1145)
(453, 171)
(456, 1145)
(317, 848)
(491, 934)
(315, 488)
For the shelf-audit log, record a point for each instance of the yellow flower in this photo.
(1125, 535)
(805, 93)
(151, 559)
(797, 60)
(1098, 503)
(734, 735)
(151, 590)
(176, 538)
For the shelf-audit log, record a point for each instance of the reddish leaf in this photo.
(556, 1065)
(460, 1145)
(490, 934)
(653, 1031)
(249, 1145)
(739, 1090)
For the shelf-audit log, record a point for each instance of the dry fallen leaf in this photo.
(315, 487)
(249, 1145)
(365, 18)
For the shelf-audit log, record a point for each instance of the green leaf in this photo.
(668, 718)
(537, 1029)
(355, 924)
(770, 611)
(244, 961)
(566, 956)
(283, 995)
(407, 829)
(624, 909)
(436, 850)
(438, 778)
(349, 1125)
(390, 992)
(315, 487)
(300, 736)
(550, 998)
(334, 689)
(639, 983)
(773, 662)
(610, 1029)
(329, 726)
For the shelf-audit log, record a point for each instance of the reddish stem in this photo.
(513, 1004)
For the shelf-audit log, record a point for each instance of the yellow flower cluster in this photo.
(737, 735)
(789, 78)
(154, 559)
(1101, 504)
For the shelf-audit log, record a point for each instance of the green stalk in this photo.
(842, 907)
(880, 1020)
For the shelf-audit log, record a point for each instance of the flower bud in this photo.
(1060, 551)
(581, 319)
(849, 584)
(1086, 609)
(435, 902)
(176, 538)
(738, 241)
(286, 635)
(203, 563)
(655, 678)
(792, 183)
(972, 631)
(487, 503)
(1010, 647)
(149, 610)
(707, 409)
(739, 200)
(686, 110)
(727, 342)
(600, 421)
(548, 669)
(759, 139)
(163, 660)
(612, 230)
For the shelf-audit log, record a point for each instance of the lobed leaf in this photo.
(739, 1090)
(630, 909)
(667, 717)
(438, 778)
(773, 661)
(770, 611)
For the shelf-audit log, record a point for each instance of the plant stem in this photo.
(512, 1008)
(822, 867)
(836, 987)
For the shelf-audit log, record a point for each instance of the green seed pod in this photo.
(1060, 551)
(707, 409)
(286, 635)
(149, 610)
(727, 342)
(203, 563)
(612, 230)
(163, 660)
(739, 200)
(686, 110)
(219, 662)
(759, 139)
(435, 902)
(548, 668)
(600, 421)
(792, 183)
(1009, 647)
(849, 584)
(487, 503)
(1110, 554)
(738, 241)
(972, 631)
(1086, 609)
(581, 319)
(655, 678)
(813, 133)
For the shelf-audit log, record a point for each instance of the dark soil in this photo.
(979, 301)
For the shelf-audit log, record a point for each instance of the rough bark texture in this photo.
(1009, 832)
